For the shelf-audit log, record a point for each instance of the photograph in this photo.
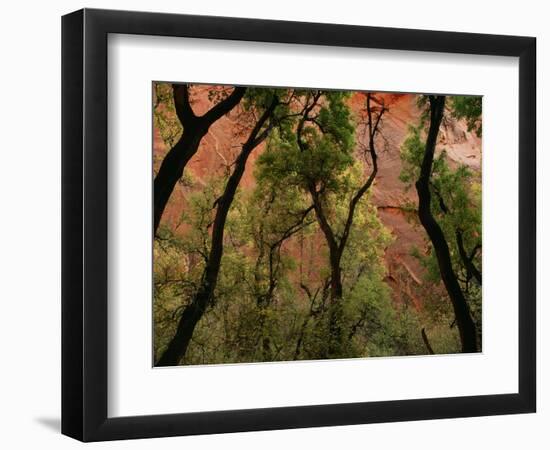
(300, 223)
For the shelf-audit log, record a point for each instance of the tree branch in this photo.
(373, 130)
(427, 342)
(471, 269)
(225, 105)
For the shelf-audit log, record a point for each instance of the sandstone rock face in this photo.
(219, 148)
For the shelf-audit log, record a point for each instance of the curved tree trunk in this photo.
(171, 169)
(194, 311)
(464, 320)
(194, 129)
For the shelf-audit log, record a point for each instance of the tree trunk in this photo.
(464, 320)
(171, 169)
(335, 277)
(194, 129)
(194, 311)
(335, 311)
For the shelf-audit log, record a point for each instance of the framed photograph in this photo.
(273, 225)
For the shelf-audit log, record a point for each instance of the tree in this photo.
(317, 157)
(196, 308)
(367, 308)
(194, 129)
(425, 188)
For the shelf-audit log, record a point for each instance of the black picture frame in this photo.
(84, 224)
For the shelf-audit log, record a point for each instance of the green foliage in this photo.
(468, 108)
(179, 262)
(164, 115)
(412, 153)
(328, 154)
